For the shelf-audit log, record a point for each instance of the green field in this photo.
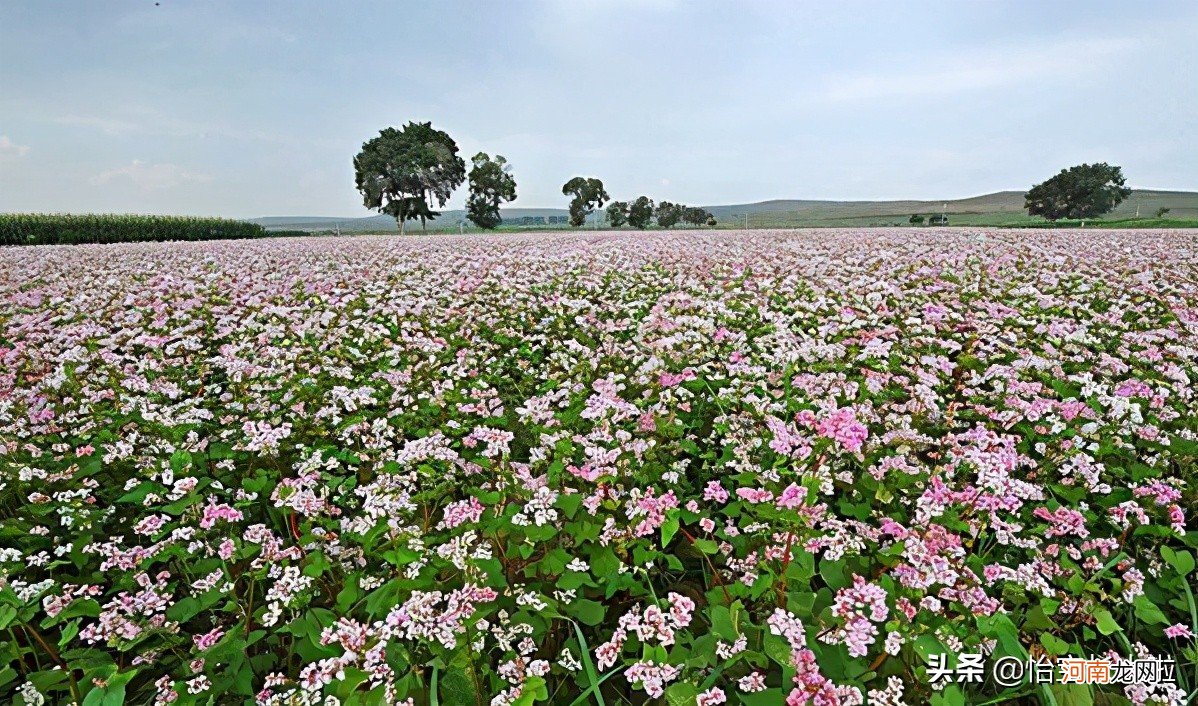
(1003, 208)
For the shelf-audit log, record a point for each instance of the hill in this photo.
(1002, 208)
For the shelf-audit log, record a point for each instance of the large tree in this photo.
(403, 172)
(617, 213)
(668, 214)
(640, 213)
(491, 183)
(588, 195)
(1084, 191)
(696, 216)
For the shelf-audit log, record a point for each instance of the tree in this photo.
(588, 196)
(491, 184)
(667, 213)
(915, 219)
(939, 219)
(640, 212)
(401, 172)
(617, 213)
(696, 216)
(1084, 191)
(1160, 212)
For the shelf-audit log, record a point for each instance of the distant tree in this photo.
(402, 172)
(491, 183)
(915, 219)
(1084, 191)
(640, 213)
(693, 215)
(711, 219)
(939, 219)
(667, 214)
(588, 195)
(1160, 212)
(617, 213)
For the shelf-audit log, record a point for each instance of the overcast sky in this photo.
(257, 108)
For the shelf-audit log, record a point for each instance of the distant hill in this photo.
(999, 208)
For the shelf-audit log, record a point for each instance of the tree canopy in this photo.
(667, 214)
(491, 184)
(588, 195)
(640, 213)
(696, 216)
(402, 172)
(617, 213)
(1084, 191)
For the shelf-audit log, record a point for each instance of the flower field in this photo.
(672, 468)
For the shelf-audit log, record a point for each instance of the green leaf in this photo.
(1106, 622)
(1073, 694)
(589, 667)
(587, 611)
(951, 696)
(833, 574)
(668, 529)
(769, 697)
(457, 687)
(1053, 644)
(681, 694)
(721, 622)
(1147, 611)
(927, 645)
(533, 690)
(1183, 561)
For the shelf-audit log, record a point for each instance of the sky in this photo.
(248, 108)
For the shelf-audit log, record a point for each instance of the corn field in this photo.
(52, 229)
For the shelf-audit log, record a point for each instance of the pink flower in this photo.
(711, 697)
(843, 427)
(792, 497)
(755, 495)
(1063, 522)
(208, 639)
(714, 492)
(214, 512)
(672, 379)
(1178, 631)
(461, 512)
(752, 682)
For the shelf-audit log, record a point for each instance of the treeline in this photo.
(589, 196)
(66, 229)
(405, 172)
(642, 212)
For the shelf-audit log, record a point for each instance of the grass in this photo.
(1121, 223)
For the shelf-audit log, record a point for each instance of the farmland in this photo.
(64, 229)
(692, 467)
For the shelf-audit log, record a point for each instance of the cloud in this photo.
(106, 125)
(10, 149)
(142, 121)
(1064, 61)
(151, 176)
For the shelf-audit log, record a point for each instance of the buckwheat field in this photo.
(675, 468)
